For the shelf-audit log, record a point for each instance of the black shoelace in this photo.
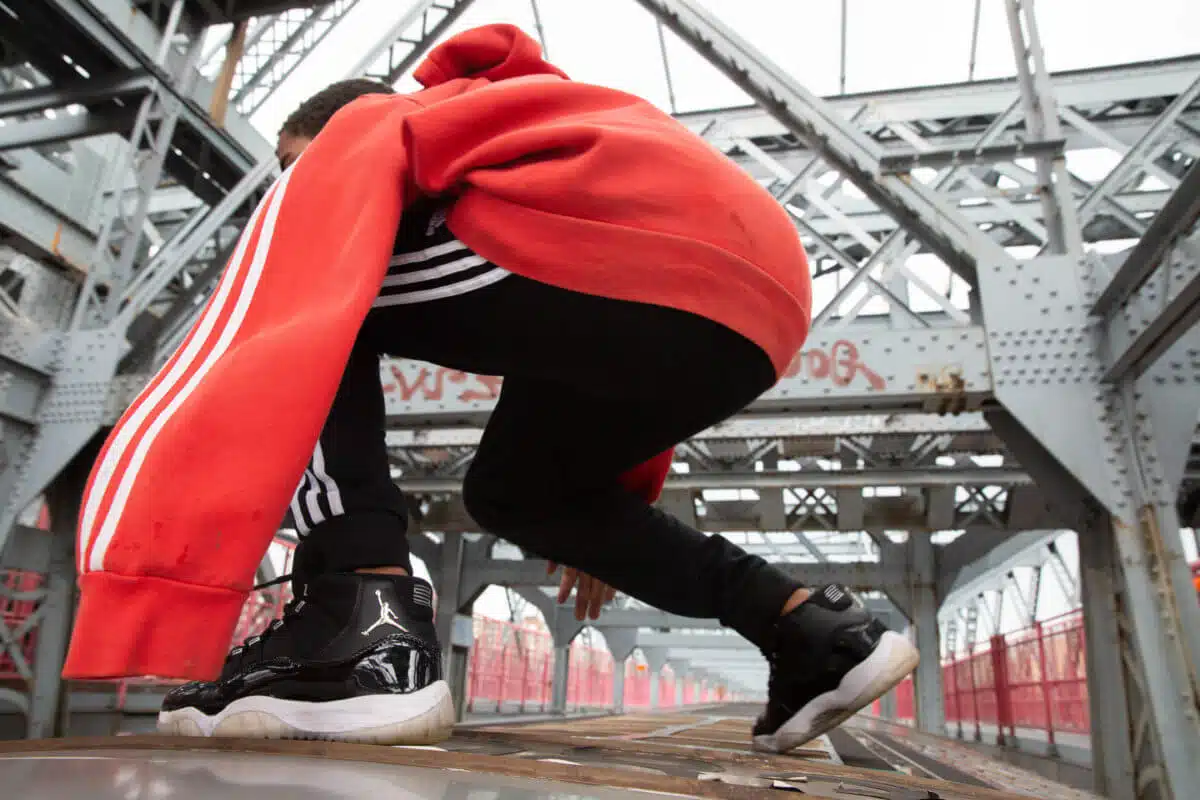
(258, 641)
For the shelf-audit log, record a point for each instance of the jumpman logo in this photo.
(386, 616)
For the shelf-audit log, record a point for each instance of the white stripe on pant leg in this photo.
(129, 429)
(237, 316)
(332, 493)
(302, 526)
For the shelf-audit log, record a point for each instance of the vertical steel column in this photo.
(47, 701)
(449, 589)
(562, 674)
(1041, 120)
(621, 644)
(931, 710)
(656, 659)
(1112, 746)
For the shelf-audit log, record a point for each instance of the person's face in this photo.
(289, 148)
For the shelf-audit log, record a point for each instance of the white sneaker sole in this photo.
(423, 717)
(893, 659)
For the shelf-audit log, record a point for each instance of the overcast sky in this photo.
(890, 43)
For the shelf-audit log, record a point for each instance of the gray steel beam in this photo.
(626, 619)
(1140, 155)
(398, 50)
(1177, 216)
(851, 152)
(832, 426)
(64, 128)
(1100, 87)
(37, 205)
(968, 156)
(698, 641)
(299, 39)
(856, 367)
(130, 42)
(989, 571)
(1153, 299)
(806, 479)
(531, 572)
(84, 92)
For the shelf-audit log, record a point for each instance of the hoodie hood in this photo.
(493, 52)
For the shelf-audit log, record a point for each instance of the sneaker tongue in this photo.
(833, 597)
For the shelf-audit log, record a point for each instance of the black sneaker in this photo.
(831, 659)
(355, 660)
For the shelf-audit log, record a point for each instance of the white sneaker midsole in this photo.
(330, 718)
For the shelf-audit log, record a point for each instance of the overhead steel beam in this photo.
(1177, 216)
(862, 213)
(966, 156)
(26, 211)
(653, 619)
(854, 368)
(286, 42)
(1140, 155)
(1025, 549)
(848, 150)
(411, 37)
(1154, 297)
(64, 128)
(697, 641)
(1172, 308)
(1101, 87)
(807, 479)
(84, 92)
(129, 42)
(856, 575)
(808, 427)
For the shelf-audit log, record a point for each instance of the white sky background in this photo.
(890, 44)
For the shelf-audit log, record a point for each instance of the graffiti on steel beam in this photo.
(841, 364)
(431, 383)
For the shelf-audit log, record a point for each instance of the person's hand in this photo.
(590, 594)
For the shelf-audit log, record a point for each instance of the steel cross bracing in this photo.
(274, 47)
(401, 47)
(125, 293)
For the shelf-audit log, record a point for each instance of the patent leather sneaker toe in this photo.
(356, 659)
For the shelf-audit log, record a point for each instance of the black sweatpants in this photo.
(592, 387)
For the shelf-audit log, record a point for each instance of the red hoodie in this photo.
(574, 185)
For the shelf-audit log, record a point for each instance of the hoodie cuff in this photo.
(133, 627)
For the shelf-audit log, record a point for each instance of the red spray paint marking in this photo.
(430, 384)
(840, 364)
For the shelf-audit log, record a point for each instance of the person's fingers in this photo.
(599, 592)
(610, 594)
(582, 596)
(569, 578)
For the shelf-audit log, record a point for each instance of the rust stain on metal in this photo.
(948, 383)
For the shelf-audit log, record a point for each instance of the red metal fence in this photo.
(1034, 678)
(511, 667)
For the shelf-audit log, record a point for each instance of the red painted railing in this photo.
(512, 668)
(1034, 679)
(13, 613)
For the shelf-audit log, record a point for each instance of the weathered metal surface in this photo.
(705, 754)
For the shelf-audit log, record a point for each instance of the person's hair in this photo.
(315, 112)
